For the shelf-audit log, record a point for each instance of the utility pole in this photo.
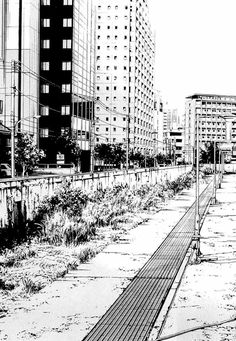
(127, 143)
(196, 236)
(92, 136)
(214, 190)
(13, 109)
(19, 59)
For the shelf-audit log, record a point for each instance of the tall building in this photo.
(215, 116)
(125, 52)
(67, 37)
(19, 42)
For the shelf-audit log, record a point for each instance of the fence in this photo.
(21, 196)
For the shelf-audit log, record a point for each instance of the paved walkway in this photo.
(133, 314)
(207, 294)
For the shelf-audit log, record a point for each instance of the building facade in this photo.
(125, 52)
(67, 37)
(20, 41)
(19, 65)
(215, 116)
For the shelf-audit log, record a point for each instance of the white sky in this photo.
(195, 47)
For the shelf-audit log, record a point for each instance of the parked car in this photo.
(5, 170)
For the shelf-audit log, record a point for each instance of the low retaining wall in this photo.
(20, 197)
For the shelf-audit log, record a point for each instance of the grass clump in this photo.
(71, 216)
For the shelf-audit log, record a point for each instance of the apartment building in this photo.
(175, 137)
(67, 36)
(125, 53)
(215, 116)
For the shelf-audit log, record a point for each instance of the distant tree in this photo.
(68, 145)
(27, 155)
(118, 154)
(163, 158)
(103, 152)
(207, 153)
(136, 158)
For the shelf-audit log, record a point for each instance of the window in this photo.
(65, 110)
(45, 2)
(45, 22)
(67, 2)
(66, 66)
(66, 43)
(45, 88)
(107, 129)
(65, 88)
(45, 66)
(114, 118)
(67, 22)
(44, 111)
(44, 132)
(64, 130)
(45, 43)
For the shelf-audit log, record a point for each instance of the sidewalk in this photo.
(207, 293)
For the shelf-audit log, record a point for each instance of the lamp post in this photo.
(13, 131)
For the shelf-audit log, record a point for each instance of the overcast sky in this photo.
(195, 47)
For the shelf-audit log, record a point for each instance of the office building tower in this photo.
(215, 117)
(125, 53)
(19, 57)
(67, 37)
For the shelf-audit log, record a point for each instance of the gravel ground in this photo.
(207, 294)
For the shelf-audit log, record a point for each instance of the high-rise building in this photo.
(19, 64)
(215, 116)
(67, 37)
(125, 52)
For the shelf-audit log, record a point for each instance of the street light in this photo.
(13, 131)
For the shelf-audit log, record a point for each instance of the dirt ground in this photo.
(69, 307)
(207, 294)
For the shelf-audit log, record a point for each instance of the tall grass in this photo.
(71, 216)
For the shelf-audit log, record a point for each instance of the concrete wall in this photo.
(20, 197)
